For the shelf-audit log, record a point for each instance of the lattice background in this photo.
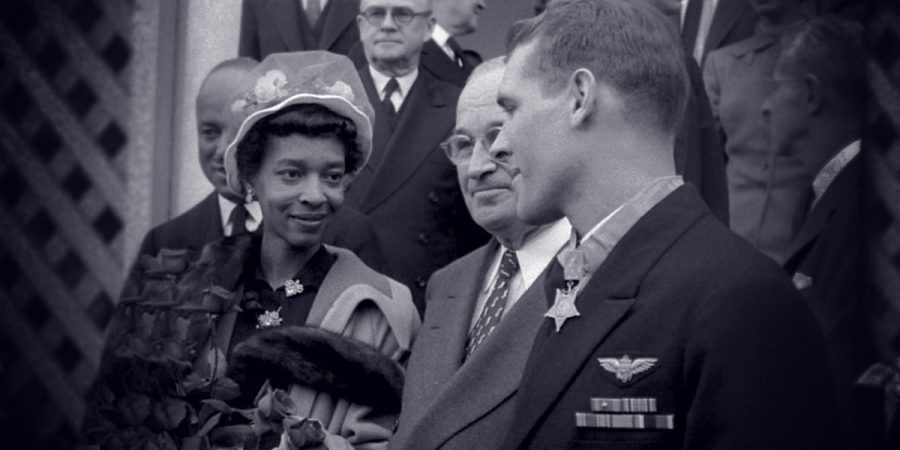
(64, 98)
(882, 154)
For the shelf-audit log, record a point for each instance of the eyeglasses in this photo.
(375, 15)
(460, 147)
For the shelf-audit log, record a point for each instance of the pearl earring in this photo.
(249, 198)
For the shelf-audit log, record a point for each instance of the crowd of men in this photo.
(637, 229)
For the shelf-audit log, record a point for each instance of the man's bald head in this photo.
(481, 89)
(215, 122)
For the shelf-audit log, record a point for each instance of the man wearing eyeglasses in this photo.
(408, 187)
(485, 308)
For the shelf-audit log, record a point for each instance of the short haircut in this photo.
(305, 119)
(624, 43)
(832, 49)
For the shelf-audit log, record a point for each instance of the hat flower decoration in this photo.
(286, 79)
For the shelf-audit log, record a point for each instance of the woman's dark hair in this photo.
(306, 119)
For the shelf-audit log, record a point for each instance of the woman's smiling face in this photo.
(300, 184)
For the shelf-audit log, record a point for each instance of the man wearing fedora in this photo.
(409, 187)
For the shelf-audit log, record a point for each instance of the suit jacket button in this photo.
(423, 239)
(433, 197)
(420, 282)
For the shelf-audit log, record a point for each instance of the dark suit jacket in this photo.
(409, 187)
(733, 21)
(451, 405)
(740, 360)
(827, 248)
(434, 61)
(202, 224)
(277, 26)
(700, 149)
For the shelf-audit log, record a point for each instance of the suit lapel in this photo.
(210, 228)
(414, 138)
(491, 375)
(337, 17)
(438, 63)
(381, 134)
(843, 190)
(606, 300)
(287, 17)
(726, 15)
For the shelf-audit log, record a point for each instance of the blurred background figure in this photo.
(815, 113)
(409, 187)
(764, 188)
(485, 308)
(276, 26)
(708, 25)
(699, 153)
(442, 55)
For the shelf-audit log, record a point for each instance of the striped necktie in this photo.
(496, 302)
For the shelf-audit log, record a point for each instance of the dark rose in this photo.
(275, 405)
(303, 434)
(169, 412)
(219, 300)
(133, 408)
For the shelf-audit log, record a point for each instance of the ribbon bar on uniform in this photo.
(628, 405)
(626, 421)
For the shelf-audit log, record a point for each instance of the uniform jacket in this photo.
(434, 61)
(765, 189)
(825, 261)
(409, 187)
(451, 405)
(277, 26)
(202, 224)
(739, 360)
(732, 21)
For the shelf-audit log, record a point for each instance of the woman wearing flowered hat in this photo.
(305, 132)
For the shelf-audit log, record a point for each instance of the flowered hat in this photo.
(285, 79)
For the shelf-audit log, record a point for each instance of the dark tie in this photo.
(238, 220)
(313, 11)
(457, 50)
(691, 25)
(496, 302)
(388, 106)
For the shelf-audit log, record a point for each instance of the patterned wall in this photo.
(64, 96)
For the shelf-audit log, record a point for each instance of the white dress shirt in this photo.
(536, 253)
(322, 3)
(254, 216)
(441, 36)
(405, 82)
(831, 170)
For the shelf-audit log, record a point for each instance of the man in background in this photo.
(485, 308)
(816, 113)
(409, 187)
(277, 26)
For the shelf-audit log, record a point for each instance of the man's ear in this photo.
(582, 92)
(431, 22)
(813, 94)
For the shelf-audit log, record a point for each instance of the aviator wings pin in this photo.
(626, 368)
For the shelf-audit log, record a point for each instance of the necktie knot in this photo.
(508, 264)
(238, 220)
(391, 87)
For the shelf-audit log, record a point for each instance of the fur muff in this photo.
(322, 360)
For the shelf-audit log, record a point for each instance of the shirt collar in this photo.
(405, 81)
(832, 168)
(226, 206)
(536, 252)
(440, 35)
(599, 242)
